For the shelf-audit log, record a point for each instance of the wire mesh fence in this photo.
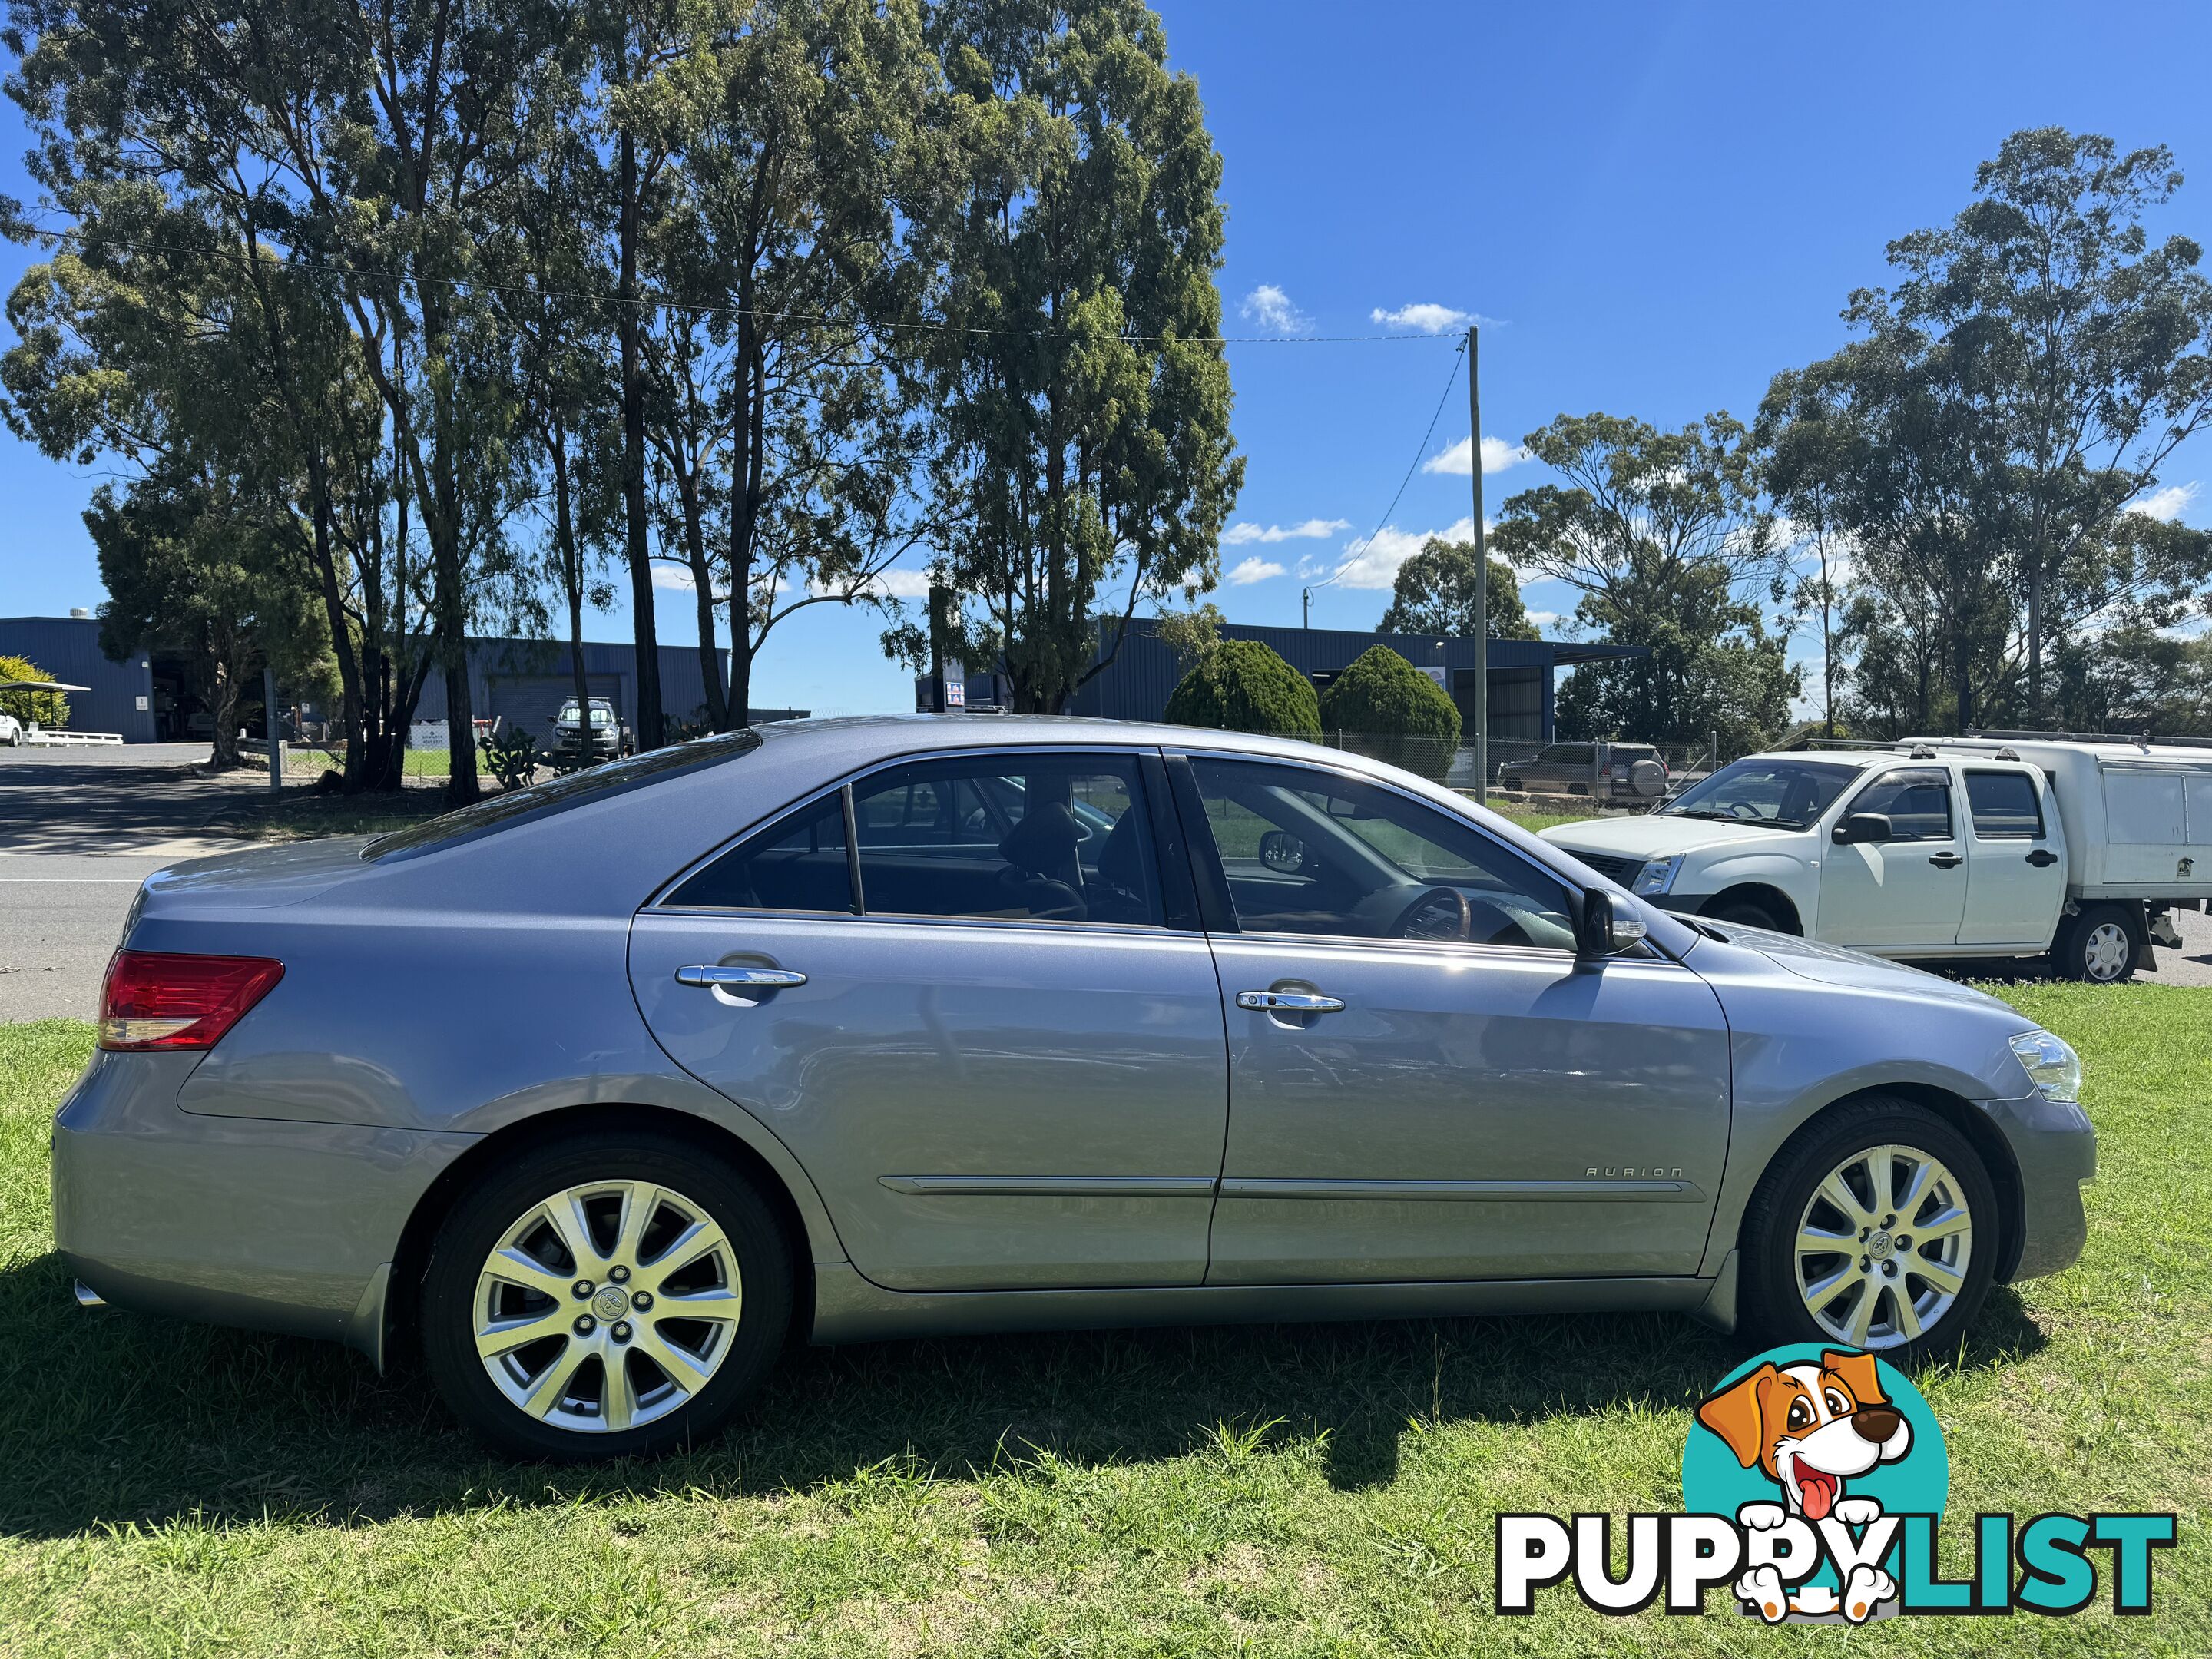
(1617, 775)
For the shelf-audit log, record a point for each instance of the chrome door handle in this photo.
(756, 979)
(1289, 1002)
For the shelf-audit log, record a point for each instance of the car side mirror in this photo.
(1282, 851)
(1610, 923)
(1865, 829)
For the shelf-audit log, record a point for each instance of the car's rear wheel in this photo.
(605, 1295)
(1874, 1228)
(2100, 945)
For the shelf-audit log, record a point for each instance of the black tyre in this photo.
(605, 1295)
(1746, 913)
(1912, 1216)
(2102, 945)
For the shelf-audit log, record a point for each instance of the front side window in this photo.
(1917, 802)
(2004, 806)
(1009, 838)
(1320, 853)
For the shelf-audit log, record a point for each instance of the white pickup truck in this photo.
(1997, 846)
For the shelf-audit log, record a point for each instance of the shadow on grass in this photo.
(118, 1417)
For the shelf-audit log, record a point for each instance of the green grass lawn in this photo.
(1290, 1489)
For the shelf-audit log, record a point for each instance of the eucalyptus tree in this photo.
(1665, 536)
(1084, 463)
(2080, 343)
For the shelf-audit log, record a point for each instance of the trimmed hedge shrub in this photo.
(1387, 708)
(1241, 686)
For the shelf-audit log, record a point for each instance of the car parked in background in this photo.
(1610, 771)
(610, 738)
(857, 1029)
(1937, 848)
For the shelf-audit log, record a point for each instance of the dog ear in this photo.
(1859, 1375)
(1734, 1414)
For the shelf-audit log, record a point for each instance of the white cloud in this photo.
(2165, 505)
(1313, 530)
(1373, 561)
(1269, 307)
(672, 578)
(1542, 619)
(1254, 570)
(897, 583)
(1428, 316)
(1458, 460)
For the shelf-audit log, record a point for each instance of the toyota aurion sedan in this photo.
(598, 1094)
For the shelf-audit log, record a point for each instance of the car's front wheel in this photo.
(1874, 1228)
(605, 1295)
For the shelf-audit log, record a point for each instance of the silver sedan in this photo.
(599, 1093)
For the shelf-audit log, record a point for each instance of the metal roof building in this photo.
(1136, 684)
(67, 648)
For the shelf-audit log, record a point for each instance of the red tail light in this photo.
(153, 999)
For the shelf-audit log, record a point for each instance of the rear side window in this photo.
(1917, 803)
(2004, 806)
(1011, 837)
(800, 862)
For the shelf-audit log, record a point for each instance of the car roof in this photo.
(862, 738)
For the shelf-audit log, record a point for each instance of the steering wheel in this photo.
(1742, 809)
(1440, 913)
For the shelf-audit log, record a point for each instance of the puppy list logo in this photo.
(1814, 1482)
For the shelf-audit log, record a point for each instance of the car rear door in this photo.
(1417, 1097)
(2015, 876)
(1001, 1059)
(1906, 893)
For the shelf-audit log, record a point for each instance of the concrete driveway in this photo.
(79, 829)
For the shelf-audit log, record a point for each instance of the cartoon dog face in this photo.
(1810, 1427)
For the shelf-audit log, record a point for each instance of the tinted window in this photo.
(1061, 838)
(1308, 852)
(2004, 806)
(1917, 803)
(1575, 754)
(798, 863)
(516, 806)
(1787, 793)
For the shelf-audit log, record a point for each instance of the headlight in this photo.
(1657, 875)
(2052, 1066)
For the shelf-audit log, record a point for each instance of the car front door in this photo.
(1003, 1064)
(1425, 1083)
(1910, 891)
(2015, 879)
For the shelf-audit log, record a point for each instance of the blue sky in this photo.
(1659, 206)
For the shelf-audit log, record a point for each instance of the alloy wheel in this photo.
(607, 1306)
(1882, 1248)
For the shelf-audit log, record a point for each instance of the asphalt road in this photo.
(81, 829)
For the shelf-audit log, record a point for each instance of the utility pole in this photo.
(1481, 578)
(1305, 599)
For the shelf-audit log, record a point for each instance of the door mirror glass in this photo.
(1611, 924)
(1280, 850)
(1865, 829)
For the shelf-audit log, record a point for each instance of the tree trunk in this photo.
(702, 592)
(644, 630)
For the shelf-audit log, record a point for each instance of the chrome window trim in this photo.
(658, 903)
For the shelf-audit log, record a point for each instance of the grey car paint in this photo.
(436, 1003)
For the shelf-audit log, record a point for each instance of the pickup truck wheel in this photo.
(1746, 913)
(1875, 1226)
(2099, 946)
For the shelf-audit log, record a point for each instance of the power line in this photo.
(812, 319)
(1437, 414)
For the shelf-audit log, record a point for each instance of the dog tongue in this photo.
(1818, 1490)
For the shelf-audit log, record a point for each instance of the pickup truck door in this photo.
(1907, 893)
(2015, 867)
